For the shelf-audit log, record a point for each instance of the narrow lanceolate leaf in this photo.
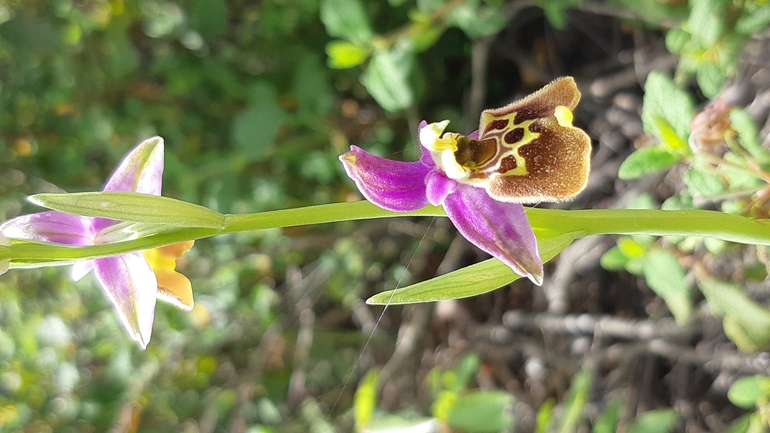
(469, 281)
(129, 206)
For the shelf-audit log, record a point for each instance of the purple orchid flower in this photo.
(525, 152)
(131, 281)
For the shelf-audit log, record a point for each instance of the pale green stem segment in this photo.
(577, 224)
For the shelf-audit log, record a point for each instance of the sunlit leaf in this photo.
(365, 400)
(665, 100)
(646, 160)
(707, 20)
(710, 78)
(753, 19)
(344, 54)
(657, 421)
(747, 391)
(614, 259)
(469, 281)
(482, 412)
(130, 206)
(574, 408)
(703, 182)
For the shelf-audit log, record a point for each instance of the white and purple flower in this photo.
(525, 152)
(131, 281)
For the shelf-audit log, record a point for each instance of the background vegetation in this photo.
(257, 99)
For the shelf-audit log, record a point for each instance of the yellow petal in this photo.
(173, 287)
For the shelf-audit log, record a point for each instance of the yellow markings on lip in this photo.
(563, 116)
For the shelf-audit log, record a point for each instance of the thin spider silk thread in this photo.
(379, 319)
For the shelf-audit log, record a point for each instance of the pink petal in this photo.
(439, 187)
(393, 185)
(51, 226)
(500, 229)
(141, 170)
(131, 286)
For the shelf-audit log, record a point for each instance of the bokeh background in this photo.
(256, 100)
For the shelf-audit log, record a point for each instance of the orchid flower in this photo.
(525, 152)
(131, 281)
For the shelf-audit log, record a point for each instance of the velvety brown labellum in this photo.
(541, 156)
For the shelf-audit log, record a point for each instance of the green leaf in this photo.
(545, 416)
(739, 179)
(387, 81)
(574, 410)
(706, 21)
(753, 20)
(669, 138)
(703, 183)
(256, 128)
(631, 248)
(443, 405)
(614, 259)
(745, 322)
(607, 422)
(749, 423)
(346, 19)
(365, 400)
(477, 21)
(710, 78)
(209, 18)
(466, 370)
(131, 206)
(665, 276)
(648, 159)
(482, 412)
(469, 281)
(747, 391)
(748, 134)
(657, 421)
(676, 40)
(344, 54)
(664, 100)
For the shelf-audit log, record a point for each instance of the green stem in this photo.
(704, 223)
(580, 223)
(321, 214)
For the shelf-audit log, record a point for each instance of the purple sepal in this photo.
(141, 170)
(500, 229)
(51, 226)
(130, 284)
(393, 185)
